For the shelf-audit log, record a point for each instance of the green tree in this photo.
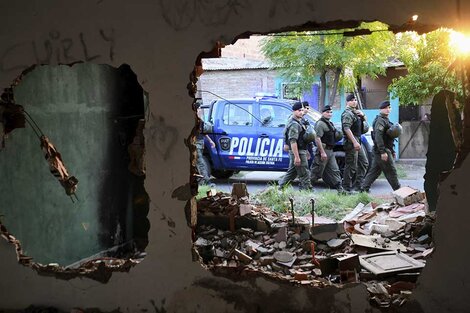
(431, 65)
(337, 60)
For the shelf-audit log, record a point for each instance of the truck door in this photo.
(236, 135)
(273, 119)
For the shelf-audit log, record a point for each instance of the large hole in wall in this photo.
(384, 242)
(81, 123)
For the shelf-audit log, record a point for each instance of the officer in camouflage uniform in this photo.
(324, 163)
(354, 124)
(383, 136)
(298, 154)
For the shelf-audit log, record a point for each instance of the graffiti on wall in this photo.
(59, 48)
(181, 14)
(163, 137)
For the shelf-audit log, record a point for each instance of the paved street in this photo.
(410, 172)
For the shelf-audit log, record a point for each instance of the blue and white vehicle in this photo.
(249, 135)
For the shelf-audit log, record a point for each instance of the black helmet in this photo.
(310, 134)
(394, 131)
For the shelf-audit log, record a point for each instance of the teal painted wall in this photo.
(78, 108)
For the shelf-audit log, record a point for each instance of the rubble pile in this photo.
(384, 246)
(100, 268)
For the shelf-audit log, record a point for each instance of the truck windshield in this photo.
(314, 115)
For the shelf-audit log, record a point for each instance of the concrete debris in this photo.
(336, 243)
(384, 263)
(376, 242)
(381, 245)
(99, 269)
(245, 209)
(407, 195)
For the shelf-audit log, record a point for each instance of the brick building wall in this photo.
(244, 83)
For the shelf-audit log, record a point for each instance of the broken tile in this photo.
(266, 260)
(376, 242)
(252, 244)
(390, 262)
(281, 234)
(358, 229)
(407, 195)
(202, 242)
(412, 208)
(275, 226)
(301, 276)
(245, 209)
(424, 239)
(307, 267)
(288, 264)
(317, 272)
(393, 224)
(269, 241)
(427, 252)
(354, 213)
(378, 228)
(283, 256)
(336, 243)
(412, 217)
(264, 250)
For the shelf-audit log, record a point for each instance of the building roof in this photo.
(227, 64)
(394, 62)
(218, 64)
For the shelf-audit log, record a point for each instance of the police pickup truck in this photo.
(249, 135)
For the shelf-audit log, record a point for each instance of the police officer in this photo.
(324, 163)
(298, 153)
(383, 134)
(353, 122)
(201, 165)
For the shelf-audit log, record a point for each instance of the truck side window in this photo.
(238, 114)
(274, 115)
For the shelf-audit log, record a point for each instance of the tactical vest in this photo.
(300, 142)
(328, 137)
(356, 127)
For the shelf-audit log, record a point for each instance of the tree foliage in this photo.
(430, 62)
(335, 59)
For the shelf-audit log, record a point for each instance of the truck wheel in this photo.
(222, 174)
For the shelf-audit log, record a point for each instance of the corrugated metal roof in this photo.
(217, 64)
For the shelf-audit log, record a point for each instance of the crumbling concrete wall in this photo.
(84, 110)
(160, 39)
(414, 140)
